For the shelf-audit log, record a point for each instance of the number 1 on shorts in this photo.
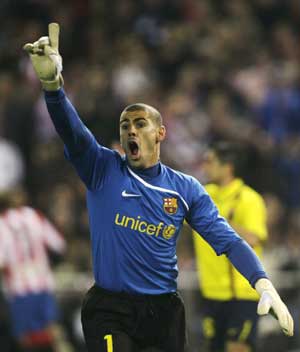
(109, 342)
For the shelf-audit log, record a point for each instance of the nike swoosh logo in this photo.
(129, 195)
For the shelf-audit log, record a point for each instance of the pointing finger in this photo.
(53, 29)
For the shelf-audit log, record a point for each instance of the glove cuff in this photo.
(57, 83)
(264, 285)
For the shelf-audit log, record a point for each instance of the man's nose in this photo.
(131, 130)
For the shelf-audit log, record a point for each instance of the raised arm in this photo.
(47, 63)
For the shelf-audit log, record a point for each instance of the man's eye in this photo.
(124, 127)
(140, 124)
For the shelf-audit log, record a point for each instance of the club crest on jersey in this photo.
(170, 205)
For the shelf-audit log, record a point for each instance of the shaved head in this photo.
(153, 113)
(141, 132)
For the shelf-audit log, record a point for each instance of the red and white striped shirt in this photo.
(25, 235)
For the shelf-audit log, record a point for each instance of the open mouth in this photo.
(134, 148)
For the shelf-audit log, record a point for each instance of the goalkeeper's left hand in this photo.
(271, 301)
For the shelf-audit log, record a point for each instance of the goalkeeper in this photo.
(137, 206)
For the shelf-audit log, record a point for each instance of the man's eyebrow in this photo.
(138, 118)
(124, 120)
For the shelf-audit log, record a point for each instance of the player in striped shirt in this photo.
(137, 206)
(26, 236)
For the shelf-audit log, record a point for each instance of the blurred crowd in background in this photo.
(215, 69)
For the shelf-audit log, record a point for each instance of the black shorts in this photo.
(234, 320)
(120, 322)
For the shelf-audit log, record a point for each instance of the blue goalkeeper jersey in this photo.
(135, 217)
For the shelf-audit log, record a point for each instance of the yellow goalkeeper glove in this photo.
(46, 59)
(270, 302)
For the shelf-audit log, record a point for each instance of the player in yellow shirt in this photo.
(230, 318)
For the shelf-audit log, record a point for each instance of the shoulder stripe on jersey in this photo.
(146, 184)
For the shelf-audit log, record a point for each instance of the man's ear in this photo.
(161, 134)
